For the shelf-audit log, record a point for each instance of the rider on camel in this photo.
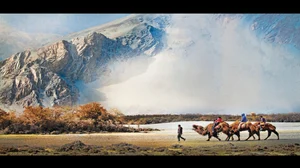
(216, 122)
(243, 120)
(262, 122)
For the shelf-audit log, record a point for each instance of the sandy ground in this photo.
(289, 143)
(150, 139)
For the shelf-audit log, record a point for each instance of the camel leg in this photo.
(227, 138)
(238, 135)
(230, 136)
(216, 136)
(269, 133)
(209, 136)
(258, 134)
(250, 134)
(275, 132)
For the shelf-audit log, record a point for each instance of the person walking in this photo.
(180, 133)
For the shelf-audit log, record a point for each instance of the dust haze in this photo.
(209, 66)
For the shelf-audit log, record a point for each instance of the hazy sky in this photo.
(213, 67)
(56, 23)
(209, 67)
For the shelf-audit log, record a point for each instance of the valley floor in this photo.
(152, 143)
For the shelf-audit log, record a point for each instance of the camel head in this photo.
(198, 128)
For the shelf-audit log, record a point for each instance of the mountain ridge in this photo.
(57, 72)
(47, 75)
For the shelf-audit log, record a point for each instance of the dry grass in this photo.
(218, 149)
(154, 143)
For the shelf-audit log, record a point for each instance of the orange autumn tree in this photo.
(95, 112)
(2, 114)
(7, 118)
(36, 115)
(3, 119)
(58, 112)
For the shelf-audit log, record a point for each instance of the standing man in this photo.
(180, 133)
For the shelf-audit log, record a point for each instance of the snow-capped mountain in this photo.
(202, 62)
(47, 75)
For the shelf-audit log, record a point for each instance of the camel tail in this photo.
(273, 126)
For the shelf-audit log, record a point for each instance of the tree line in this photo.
(153, 119)
(93, 117)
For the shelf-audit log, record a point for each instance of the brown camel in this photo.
(267, 127)
(248, 126)
(221, 127)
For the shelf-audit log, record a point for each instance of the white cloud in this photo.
(212, 67)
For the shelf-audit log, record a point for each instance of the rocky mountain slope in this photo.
(47, 75)
(274, 28)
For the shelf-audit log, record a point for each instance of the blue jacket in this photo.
(244, 118)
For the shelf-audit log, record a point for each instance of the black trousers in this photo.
(179, 136)
(215, 124)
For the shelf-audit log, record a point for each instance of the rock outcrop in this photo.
(47, 76)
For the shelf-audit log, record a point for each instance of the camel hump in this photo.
(269, 125)
(236, 122)
(224, 123)
(243, 125)
(248, 123)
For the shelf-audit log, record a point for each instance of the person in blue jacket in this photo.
(243, 120)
